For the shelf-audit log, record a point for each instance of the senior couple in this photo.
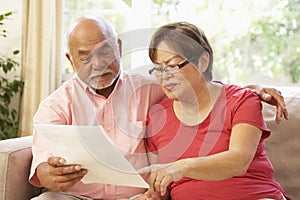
(189, 136)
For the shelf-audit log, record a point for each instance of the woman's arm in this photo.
(243, 145)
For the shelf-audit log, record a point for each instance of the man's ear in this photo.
(120, 46)
(71, 61)
(203, 61)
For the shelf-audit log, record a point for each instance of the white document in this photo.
(90, 147)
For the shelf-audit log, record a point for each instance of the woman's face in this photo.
(176, 83)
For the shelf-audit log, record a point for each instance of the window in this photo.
(253, 41)
(125, 15)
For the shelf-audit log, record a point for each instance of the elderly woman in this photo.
(207, 138)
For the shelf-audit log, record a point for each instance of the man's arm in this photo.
(50, 172)
(273, 97)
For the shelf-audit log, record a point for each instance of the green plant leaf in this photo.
(15, 52)
(9, 87)
(13, 114)
(8, 14)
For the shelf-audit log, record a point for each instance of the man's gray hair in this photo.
(71, 28)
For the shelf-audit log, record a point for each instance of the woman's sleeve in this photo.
(248, 109)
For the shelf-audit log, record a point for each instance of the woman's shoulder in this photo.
(236, 91)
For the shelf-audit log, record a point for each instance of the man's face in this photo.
(95, 57)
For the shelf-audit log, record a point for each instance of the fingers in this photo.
(278, 100)
(281, 108)
(60, 186)
(65, 169)
(164, 185)
(156, 185)
(274, 97)
(266, 97)
(281, 112)
(57, 182)
(278, 115)
(58, 166)
(161, 184)
(68, 177)
(158, 180)
(148, 196)
(151, 192)
(56, 161)
(60, 175)
(285, 113)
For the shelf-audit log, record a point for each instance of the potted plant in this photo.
(9, 87)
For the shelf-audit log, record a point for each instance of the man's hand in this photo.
(273, 97)
(56, 175)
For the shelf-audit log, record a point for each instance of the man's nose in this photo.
(97, 62)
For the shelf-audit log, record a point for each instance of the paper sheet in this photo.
(90, 147)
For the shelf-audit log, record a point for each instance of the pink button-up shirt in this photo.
(122, 115)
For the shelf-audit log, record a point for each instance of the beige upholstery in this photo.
(283, 148)
(15, 159)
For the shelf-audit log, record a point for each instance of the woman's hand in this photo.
(144, 197)
(161, 176)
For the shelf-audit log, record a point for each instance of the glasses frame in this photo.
(164, 69)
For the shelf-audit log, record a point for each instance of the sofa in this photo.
(282, 147)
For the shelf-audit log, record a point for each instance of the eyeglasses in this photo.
(171, 69)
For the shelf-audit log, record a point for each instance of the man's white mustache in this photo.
(98, 74)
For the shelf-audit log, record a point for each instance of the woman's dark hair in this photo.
(187, 40)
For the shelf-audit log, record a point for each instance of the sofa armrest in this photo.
(15, 161)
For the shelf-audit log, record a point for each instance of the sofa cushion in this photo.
(15, 160)
(283, 146)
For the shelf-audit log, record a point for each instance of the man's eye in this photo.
(86, 59)
(106, 52)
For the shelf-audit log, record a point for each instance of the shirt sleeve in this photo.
(248, 109)
(45, 115)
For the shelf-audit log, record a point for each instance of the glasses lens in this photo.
(158, 70)
(167, 69)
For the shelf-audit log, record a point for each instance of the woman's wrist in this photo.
(186, 167)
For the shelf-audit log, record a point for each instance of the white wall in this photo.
(13, 41)
(13, 27)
